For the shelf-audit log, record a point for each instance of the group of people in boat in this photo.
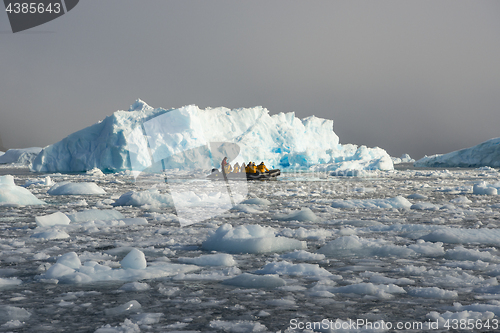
(248, 168)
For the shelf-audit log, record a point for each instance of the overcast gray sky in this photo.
(417, 77)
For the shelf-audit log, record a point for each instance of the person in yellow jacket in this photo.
(251, 168)
(236, 167)
(262, 168)
(254, 168)
(248, 168)
(228, 168)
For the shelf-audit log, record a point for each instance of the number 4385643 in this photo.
(33, 8)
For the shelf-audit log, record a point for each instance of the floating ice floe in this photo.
(432, 292)
(247, 280)
(461, 253)
(69, 188)
(288, 268)
(13, 195)
(381, 290)
(51, 234)
(180, 138)
(485, 236)
(56, 218)
(305, 214)
(318, 234)
(249, 239)
(47, 181)
(152, 197)
(425, 206)
(237, 326)
(135, 286)
(354, 246)
(398, 202)
(12, 314)
(68, 269)
(484, 154)
(461, 200)
(417, 196)
(486, 189)
(256, 201)
(135, 259)
(220, 259)
(303, 255)
(95, 214)
(7, 282)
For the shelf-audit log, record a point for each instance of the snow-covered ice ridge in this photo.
(185, 137)
(482, 155)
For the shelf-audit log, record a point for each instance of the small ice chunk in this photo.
(95, 172)
(461, 253)
(96, 214)
(348, 246)
(432, 292)
(129, 307)
(417, 196)
(126, 327)
(8, 312)
(58, 270)
(461, 200)
(256, 201)
(70, 259)
(69, 188)
(151, 197)
(303, 255)
(398, 202)
(135, 286)
(219, 259)
(484, 188)
(6, 282)
(237, 326)
(288, 268)
(135, 259)
(57, 218)
(424, 206)
(247, 280)
(304, 214)
(249, 239)
(51, 234)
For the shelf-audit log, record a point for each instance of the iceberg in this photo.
(486, 154)
(189, 137)
(405, 158)
(20, 156)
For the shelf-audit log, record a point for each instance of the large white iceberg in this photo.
(484, 154)
(189, 137)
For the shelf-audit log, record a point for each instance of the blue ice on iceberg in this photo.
(189, 137)
(484, 154)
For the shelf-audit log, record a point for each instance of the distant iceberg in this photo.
(19, 156)
(189, 137)
(484, 154)
(405, 158)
